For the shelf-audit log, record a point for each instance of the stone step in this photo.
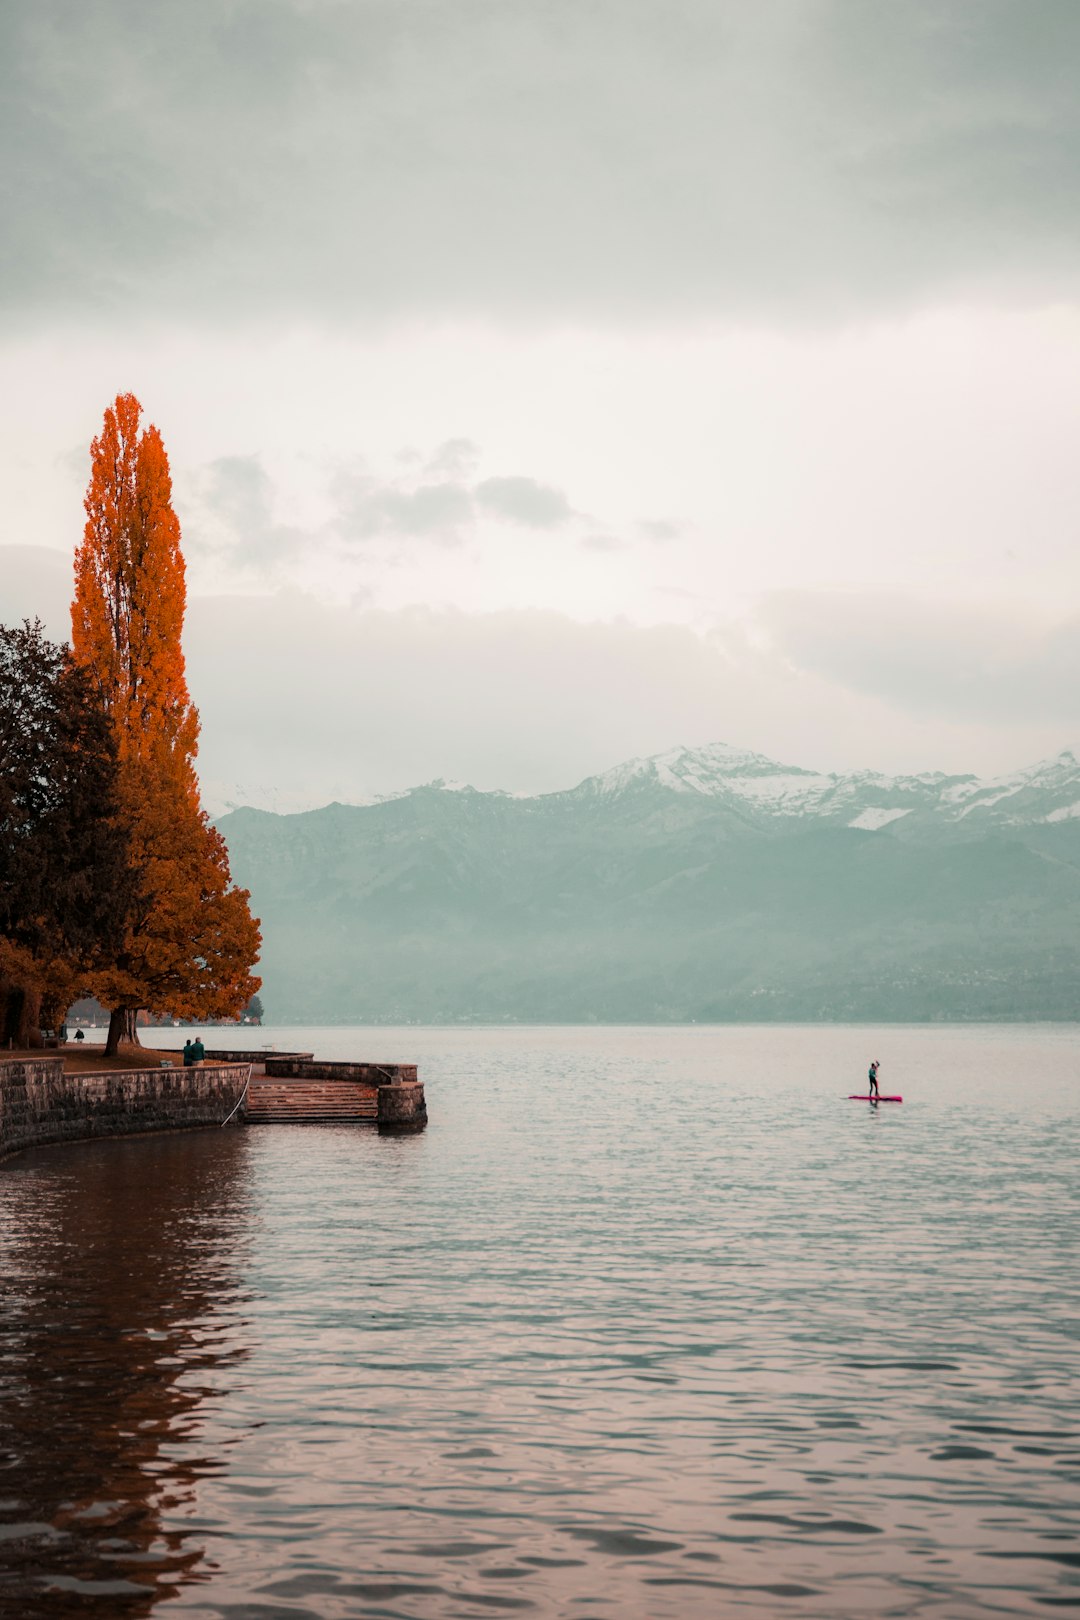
(303, 1102)
(304, 1108)
(344, 1094)
(258, 1116)
(310, 1119)
(346, 1113)
(311, 1102)
(312, 1089)
(349, 1086)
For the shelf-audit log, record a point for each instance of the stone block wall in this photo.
(220, 1055)
(290, 1067)
(256, 1059)
(39, 1103)
(402, 1109)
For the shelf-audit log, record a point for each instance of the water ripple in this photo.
(649, 1323)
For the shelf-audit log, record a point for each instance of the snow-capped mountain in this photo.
(700, 884)
(762, 793)
(764, 790)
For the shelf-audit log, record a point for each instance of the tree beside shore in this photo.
(162, 928)
(65, 878)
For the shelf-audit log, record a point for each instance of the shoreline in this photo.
(81, 1095)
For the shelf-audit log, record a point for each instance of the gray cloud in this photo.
(239, 490)
(368, 509)
(422, 505)
(943, 659)
(536, 156)
(456, 458)
(36, 583)
(371, 702)
(523, 500)
(601, 542)
(232, 499)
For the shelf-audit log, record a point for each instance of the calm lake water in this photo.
(649, 1323)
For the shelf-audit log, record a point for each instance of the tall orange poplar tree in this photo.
(190, 940)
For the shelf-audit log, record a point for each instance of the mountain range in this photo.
(700, 884)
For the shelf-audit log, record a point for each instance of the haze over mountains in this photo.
(700, 884)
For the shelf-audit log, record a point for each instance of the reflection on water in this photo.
(119, 1326)
(648, 1323)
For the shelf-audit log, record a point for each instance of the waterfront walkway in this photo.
(78, 1092)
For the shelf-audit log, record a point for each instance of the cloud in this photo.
(947, 659)
(416, 504)
(601, 542)
(233, 500)
(659, 529)
(233, 503)
(367, 510)
(539, 157)
(372, 702)
(36, 583)
(456, 458)
(442, 509)
(369, 702)
(239, 489)
(523, 500)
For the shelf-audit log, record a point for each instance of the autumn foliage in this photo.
(189, 941)
(65, 882)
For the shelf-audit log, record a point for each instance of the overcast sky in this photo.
(552, 381)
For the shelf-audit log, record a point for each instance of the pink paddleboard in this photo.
(854, 1097)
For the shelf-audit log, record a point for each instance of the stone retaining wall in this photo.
(247, 1055)
(256, 1059)
(39, 1103)
(402, 1109)
(288, 1066)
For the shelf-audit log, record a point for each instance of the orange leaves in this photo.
(190, 940)
(130, 590)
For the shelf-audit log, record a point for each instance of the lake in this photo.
(649, 1323)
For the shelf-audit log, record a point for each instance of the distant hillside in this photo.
(702, 884)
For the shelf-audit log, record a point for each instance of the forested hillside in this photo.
(745, 893)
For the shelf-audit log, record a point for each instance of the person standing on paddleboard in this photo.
(874, 1067)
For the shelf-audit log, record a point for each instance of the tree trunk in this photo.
(122, 1027)
(20, 1010)
(7, 1013)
